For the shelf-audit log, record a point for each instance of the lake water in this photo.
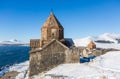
(13, 54)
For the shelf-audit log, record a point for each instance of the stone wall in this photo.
(34, 43)
(50, 56)
(73, 55)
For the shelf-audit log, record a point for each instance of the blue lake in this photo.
(13, 54)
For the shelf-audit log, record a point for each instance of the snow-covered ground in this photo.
(106, 65)
(22, 68)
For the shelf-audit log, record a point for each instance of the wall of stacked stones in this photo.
(73, 55)
(34, 43)
(47, 58)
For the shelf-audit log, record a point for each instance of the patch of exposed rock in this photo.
(10, 75)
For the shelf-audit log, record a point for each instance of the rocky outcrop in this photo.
(10, 75)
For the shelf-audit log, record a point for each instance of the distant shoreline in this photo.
(14, 44)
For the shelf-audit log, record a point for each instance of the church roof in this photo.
(91, 44)
(51, 42)
(52, 21)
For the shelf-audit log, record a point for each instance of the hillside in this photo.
(106, 40)
(13, 42)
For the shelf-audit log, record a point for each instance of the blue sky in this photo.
(23, 19)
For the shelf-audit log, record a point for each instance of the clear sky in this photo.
(22, 19)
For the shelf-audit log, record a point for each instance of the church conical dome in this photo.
(52, 29)
(91, 45)
(52, 21)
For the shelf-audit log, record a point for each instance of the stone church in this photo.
(52, 49)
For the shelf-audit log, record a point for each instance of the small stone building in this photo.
(91, 45)
(52, 49)
(90, 50)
